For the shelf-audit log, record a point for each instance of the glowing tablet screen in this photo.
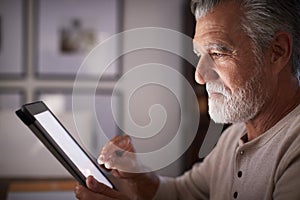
(69, 146)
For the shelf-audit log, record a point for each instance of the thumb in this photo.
(98, 187)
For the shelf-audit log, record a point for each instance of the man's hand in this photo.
(118, 157)
(97, 191)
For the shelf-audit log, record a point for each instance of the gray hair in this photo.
(262, 19)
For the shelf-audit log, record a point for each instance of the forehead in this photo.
(222, 23)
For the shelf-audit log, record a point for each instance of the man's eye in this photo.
(216, 55)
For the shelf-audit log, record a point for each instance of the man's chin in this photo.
(216, 114)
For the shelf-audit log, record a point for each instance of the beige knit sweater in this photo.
(267, 167)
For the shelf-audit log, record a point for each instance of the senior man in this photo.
(249, 59)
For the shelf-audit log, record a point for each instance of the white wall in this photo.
(137, 14)
(164, 14)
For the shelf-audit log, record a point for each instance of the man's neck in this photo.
(273, 112)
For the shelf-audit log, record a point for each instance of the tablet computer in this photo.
(43, 123)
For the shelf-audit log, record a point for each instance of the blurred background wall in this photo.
(42, 46)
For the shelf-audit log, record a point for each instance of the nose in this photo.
(199, 78)
(205, 70)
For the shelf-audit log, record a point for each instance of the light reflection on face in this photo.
(228, 66)
(240, 106)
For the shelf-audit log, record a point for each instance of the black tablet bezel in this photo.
(26, 114)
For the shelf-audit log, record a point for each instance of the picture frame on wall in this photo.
(69, 30)
(12, 37)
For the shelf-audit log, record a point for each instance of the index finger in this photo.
(121, 140)
(117, 143)
(115, 148)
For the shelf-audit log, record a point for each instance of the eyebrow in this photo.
(218, 47)
(212, 46)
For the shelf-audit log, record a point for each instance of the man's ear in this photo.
(281, 50)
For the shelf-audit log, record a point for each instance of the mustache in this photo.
(216, 88)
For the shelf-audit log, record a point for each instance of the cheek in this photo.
(231, 75)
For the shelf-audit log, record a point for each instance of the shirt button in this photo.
(242, 152)
(235, 195)
(240, 173)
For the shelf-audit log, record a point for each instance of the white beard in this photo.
(242, 105)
